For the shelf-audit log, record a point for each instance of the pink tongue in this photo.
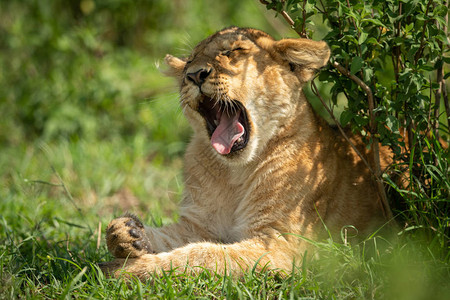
(226, 133)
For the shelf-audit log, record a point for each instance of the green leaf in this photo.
(356, 65)
(325, 75)
(373, 21)
(350, 38)
(345, 117)
(372, 41)
(362, 37)
(392, 123)
(368, 73)
(409, 27)
(440, 10)
(426, 68)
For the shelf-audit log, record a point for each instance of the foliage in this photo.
(399, 50)
(87, 69)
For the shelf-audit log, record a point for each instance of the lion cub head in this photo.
(240, 86)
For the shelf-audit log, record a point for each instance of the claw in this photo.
(134, 220)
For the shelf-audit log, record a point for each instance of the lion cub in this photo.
(261, 168)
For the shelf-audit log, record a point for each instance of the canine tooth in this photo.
(216, 122)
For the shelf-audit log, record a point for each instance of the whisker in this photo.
(234, 107)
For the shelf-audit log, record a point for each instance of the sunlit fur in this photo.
(296, 176)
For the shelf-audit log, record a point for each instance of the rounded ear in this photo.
(176, 66)
(309, 55)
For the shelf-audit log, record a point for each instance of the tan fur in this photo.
(296, 176)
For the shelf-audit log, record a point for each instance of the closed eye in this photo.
(228, 52)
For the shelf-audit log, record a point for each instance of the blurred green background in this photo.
(84, 103)
(88, 69)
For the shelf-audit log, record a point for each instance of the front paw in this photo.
(125, 237)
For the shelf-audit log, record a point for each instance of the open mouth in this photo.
(227, 124)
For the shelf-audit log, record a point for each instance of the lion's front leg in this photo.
(127, 237)
(219, 258)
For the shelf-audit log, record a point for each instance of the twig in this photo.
(384, 205)
(430, 108)
(339, 126)
(375, 143)
(365, 88)
(99, 235)
(446, 102)
(286, 17)
(437, 99)
(303, 31)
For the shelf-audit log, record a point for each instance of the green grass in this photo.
(55, 197)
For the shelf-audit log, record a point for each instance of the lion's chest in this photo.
(221, 215)
(217, 193)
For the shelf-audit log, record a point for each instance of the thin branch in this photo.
(324, 11)
(446, 102)
(430, 108)
(375, 141)
(437, 99)
(365, 88)
(303, 31)
(99, 235)
(286, 17)
(339, 126)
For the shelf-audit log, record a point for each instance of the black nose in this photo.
(199, 76)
